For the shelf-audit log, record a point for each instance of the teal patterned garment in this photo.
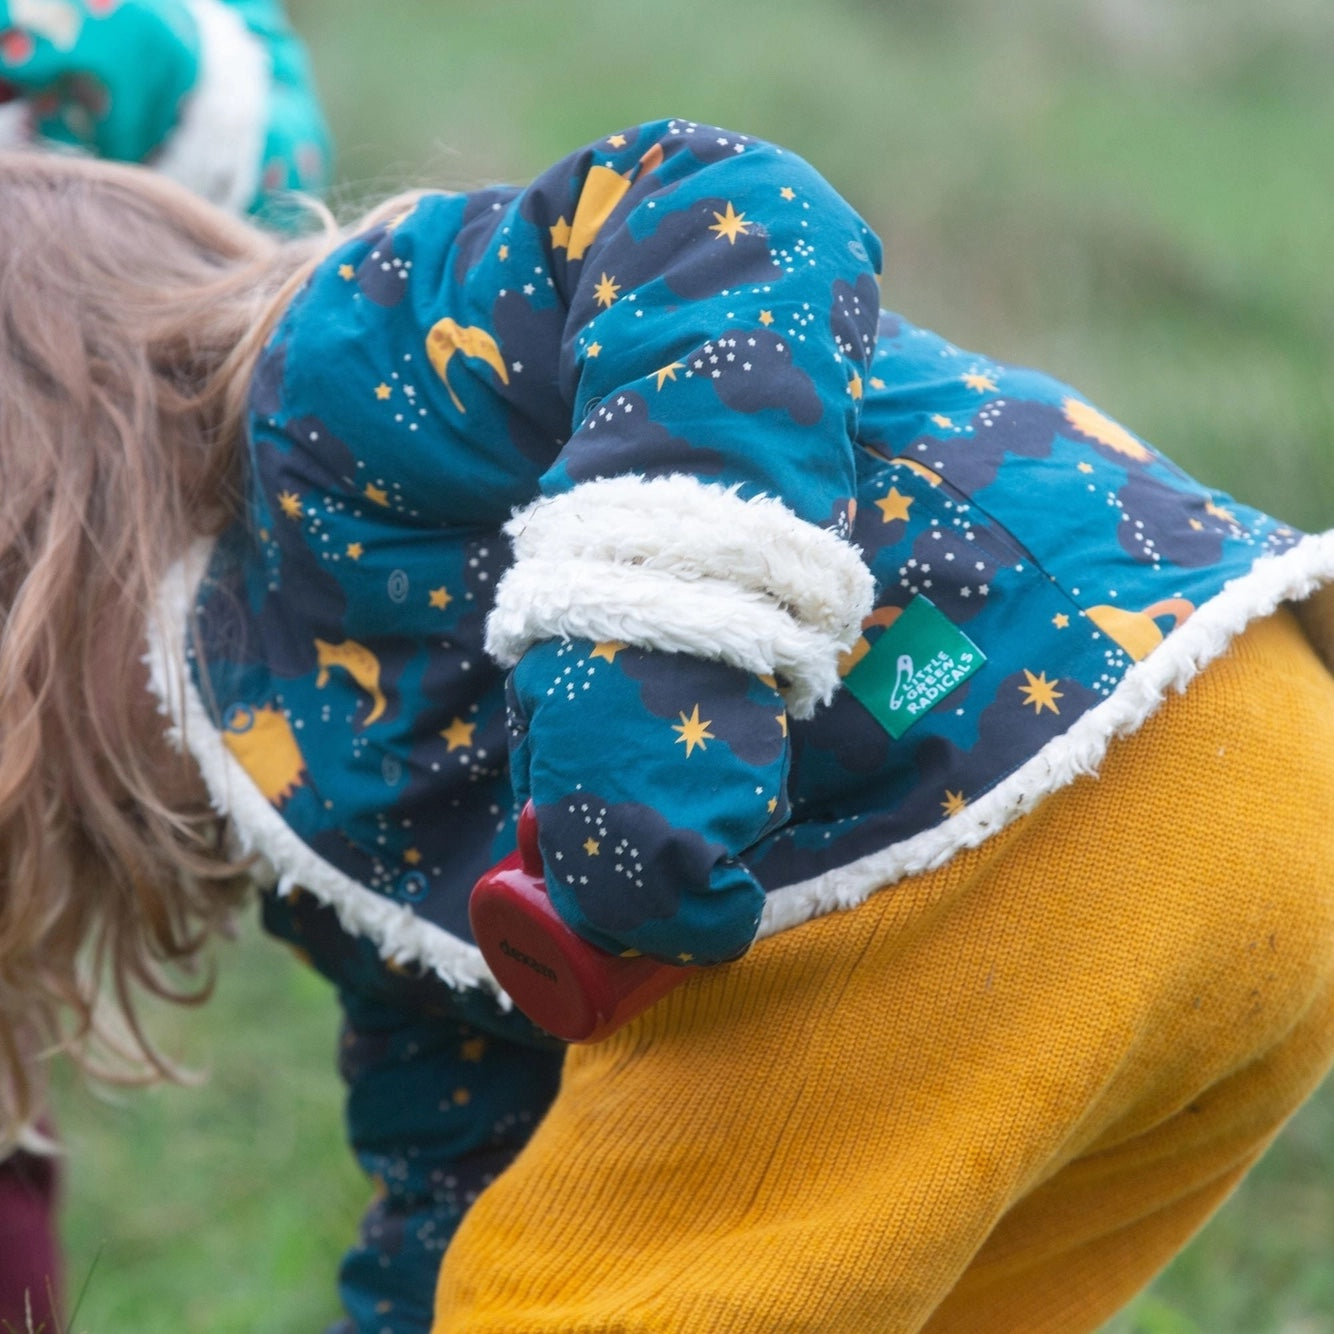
(120, 78)
(632, 352)
(591, 493)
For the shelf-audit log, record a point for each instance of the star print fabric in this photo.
(469, 355)
(634, 426)
(650, 774)
(444, 1089)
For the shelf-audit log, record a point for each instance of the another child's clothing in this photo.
(216, 94)
(30, 1269)
(633, 353)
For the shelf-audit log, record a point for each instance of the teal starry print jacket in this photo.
(620, 493)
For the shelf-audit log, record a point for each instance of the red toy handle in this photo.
(562, 983)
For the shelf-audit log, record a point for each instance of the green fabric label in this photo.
(914, 664)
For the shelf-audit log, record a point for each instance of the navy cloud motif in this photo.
(1004, 427)
(853, 317)
(752, 369)
(644, 865)
(669, 682)
(382, 275)
(618, 436)
(688, 270)
(1163, 523)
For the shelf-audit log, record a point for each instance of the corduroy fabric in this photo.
(995, 1098)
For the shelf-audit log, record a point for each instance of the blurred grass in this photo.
(1133, 194)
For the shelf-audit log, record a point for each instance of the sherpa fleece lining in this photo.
(403, 937)
(682, 566)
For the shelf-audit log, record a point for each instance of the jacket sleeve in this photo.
(683, 583)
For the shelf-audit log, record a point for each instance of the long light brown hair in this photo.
(130, 317)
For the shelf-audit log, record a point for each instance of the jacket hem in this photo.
(1078, 752)
(288, 864)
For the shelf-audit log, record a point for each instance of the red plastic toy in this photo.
(562, 983)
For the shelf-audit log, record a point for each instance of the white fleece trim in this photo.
(217, 146)
(15, 127)
(397, 931)
(684, 566)
(1290, 577)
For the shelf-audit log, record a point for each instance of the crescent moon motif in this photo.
(360, 664)
(448, 337)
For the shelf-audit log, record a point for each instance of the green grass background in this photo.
(1132, 194)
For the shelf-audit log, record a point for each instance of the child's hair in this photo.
(130, 317)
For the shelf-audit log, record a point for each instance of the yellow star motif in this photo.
(503, 252)
(766, 318)
(382, 391)
(560, 234)
(730, 225)
(594, 349)
(684, 958)
(1060, 620)
(616, 140)
(693, 732)
(877, 382)
(954, 802)
(976, 380)
(440, 598)
(1040, 693)
(591, 846)
(607, 650)
(1197, 525)
(355, 551)
(459, 734)
(376, 494)
(605, 291)
(669, 372)
(461, 1097)
(346, 272)
(472, 1049)
(855, 385)
(412, 856)
(1218, 512)
(1085, 467)
(895, 505)
(944, 422)
(782, 722)
(788, 192)
(290, 504)
(772, 805)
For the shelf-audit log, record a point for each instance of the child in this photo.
(639, 433)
